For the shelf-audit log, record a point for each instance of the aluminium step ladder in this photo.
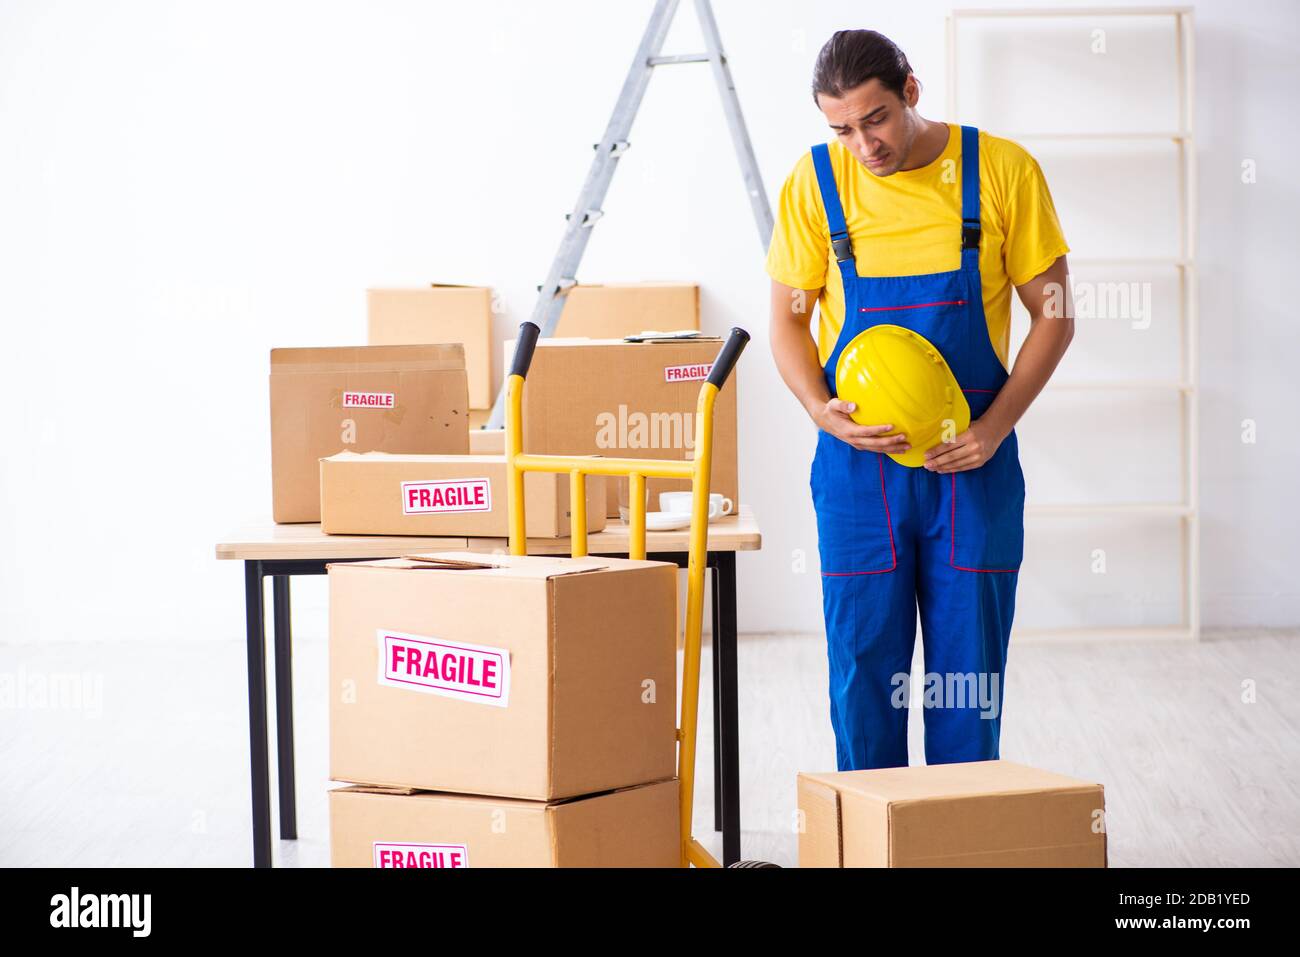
(614, 142)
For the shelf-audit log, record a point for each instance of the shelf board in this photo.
(1107, 633)
(1122, 385)
(1078, 510)
(1174, 135)
(1172, 262)
(987, 12)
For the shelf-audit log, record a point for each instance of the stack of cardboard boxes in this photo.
(384, 439)
(503, 711)
(584, 397)
(491, 710)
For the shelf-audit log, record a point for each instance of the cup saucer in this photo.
(658, 521)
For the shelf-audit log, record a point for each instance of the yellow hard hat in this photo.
(897, 376)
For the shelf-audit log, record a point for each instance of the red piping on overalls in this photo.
(919, 305)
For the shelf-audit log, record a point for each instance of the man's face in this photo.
(876, 126)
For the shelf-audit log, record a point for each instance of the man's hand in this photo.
(834, 418)
(968, 450)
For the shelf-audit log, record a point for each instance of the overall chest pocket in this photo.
(986, 511)
(855, 535)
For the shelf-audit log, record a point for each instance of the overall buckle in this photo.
(970, 234)
(843, 248)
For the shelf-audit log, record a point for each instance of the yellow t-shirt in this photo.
(909, 224)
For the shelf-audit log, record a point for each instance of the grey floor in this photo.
(123, 754)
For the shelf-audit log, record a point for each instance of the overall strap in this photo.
(831, 203)
(970, 193)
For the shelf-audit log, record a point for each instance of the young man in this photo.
(926, 225)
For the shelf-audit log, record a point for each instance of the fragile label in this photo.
(368, 400)
(695, 373)
(453, 669)
(452, 495)
(421, 855)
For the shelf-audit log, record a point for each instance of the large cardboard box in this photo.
(521, 676)
(617, 309)
(638, 399)
(377, 493)
(439, 313)
(975, 814)
(390, 828)
(362, 398)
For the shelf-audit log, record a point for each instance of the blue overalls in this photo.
(893, 538)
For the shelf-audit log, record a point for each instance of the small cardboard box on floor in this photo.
(638, 399)
(365, 398)
(617, 309)
(520, 676)
(392, 827)
(975, 814)
(438, 313)
(377, 493)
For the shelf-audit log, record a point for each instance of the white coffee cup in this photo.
(679, 503)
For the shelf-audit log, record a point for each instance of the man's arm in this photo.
(1051, 315)
(794, 348)
(795, 352)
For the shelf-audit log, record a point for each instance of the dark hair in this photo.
(852, 57)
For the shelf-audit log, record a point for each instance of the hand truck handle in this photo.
(726, 360)
(527, 342)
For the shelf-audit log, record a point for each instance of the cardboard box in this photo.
(487, 441)
(379, 827)
(617, 309)
(382, 494)
(615, 398)
(362, 398)
(976, 814)
(564, 678)
(434, 314)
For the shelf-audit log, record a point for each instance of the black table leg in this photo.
(724, 646)
(717, 703)
(284, 706)
(257, 713)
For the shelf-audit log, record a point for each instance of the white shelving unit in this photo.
(1185, 386)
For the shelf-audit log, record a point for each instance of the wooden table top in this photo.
(736, 533)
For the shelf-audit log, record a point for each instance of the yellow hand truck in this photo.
(637, 471)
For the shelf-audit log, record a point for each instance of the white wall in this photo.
(185, 185)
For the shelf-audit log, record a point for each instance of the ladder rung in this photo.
(679, 58)
(588, 218)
